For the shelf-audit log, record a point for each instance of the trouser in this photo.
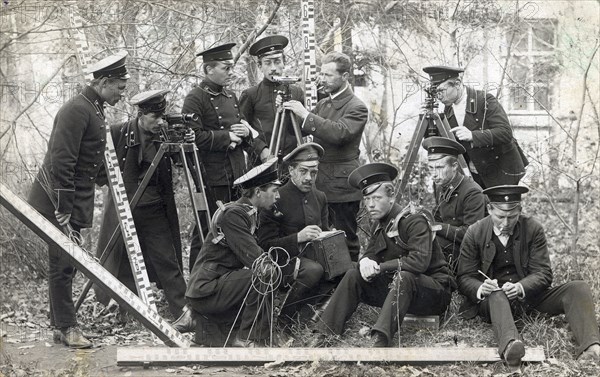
(344, 218)
(158, 248)
(61, 272)
(415, 294)
(213, 193)
(309, 275)
(231, 292)
(574, 299)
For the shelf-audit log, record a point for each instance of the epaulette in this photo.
(392, 230)
(215, 223)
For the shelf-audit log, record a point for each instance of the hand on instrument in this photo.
(488, 287)
(368, 269)
(462, 133)
(309, 233)
(190, 136)
(512, 290)
(62, 218)
(278, 100)
(239, 130)
(296, 107)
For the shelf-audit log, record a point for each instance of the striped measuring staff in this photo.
(117, 188)
(88, 264)
(310, 53)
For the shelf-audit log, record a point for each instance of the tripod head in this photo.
(286, 81)
(431, 106)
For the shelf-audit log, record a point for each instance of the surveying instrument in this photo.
(174, 145)
(431, 123)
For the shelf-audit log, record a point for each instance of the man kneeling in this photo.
(402, 271)
(221, 282)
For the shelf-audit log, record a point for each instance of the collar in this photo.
(462, 103)
(471, 98)
(337, 94)
(270, 83)
(447, 190)
(212, 88)
(94, 98)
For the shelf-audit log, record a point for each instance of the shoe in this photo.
(242, 343)
(514, 352)
(592, 353)
(72, 337)
(379, 339)
(318, 341)
(186, 321)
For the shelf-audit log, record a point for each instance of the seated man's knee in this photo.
(310, 272)
(498, 296)
(406, 279)
(577, 290)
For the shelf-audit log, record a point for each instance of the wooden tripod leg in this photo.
(275, 134)
(413, 151)
(296, 128)
(198, 196)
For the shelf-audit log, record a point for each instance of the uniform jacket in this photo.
(217, 109)
(126, 137)
(419, 255)
(493, 151)
(532, 261)
(459, 205)
(337, 125)
(238, 250)
(257, 104)
(293, 211)
(73, 160)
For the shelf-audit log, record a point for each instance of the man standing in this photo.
(258, 103)
(221, 281)
(504, 266)
(220, 132)
(459, 200)
(480, 124)
(337, 124)
(402, 271)
(299, 216)
(137, 143)
(63, 190)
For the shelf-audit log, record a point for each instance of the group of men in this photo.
(412, 262)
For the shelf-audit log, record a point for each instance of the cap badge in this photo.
(506, 198)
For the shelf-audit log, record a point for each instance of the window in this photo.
(533, 66)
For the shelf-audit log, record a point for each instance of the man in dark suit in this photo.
(63, 190)
(459, 200)
(337, 124)
(221, 133)
(157, 225)
(258, 103)
(402, 271)
(480, 124)
(299, 216)
(504, 266)
(224, 281)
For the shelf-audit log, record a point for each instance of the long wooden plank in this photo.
(177, 356)
(87, 264)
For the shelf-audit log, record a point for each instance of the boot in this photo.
(72, 337)
(186, 321)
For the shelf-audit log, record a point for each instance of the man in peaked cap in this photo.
(402, 271)
(137, 142)
(258, 103)
(504, 265)
(480, 124)
(64, 188)
(299, 216)
(459, 200)
(220, 280)
(221, 132)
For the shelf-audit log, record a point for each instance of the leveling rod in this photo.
(90, 267)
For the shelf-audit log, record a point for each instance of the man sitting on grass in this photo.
(504, 266)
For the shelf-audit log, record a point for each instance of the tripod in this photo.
(191, 164)
(277, 142)
(430, 124)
